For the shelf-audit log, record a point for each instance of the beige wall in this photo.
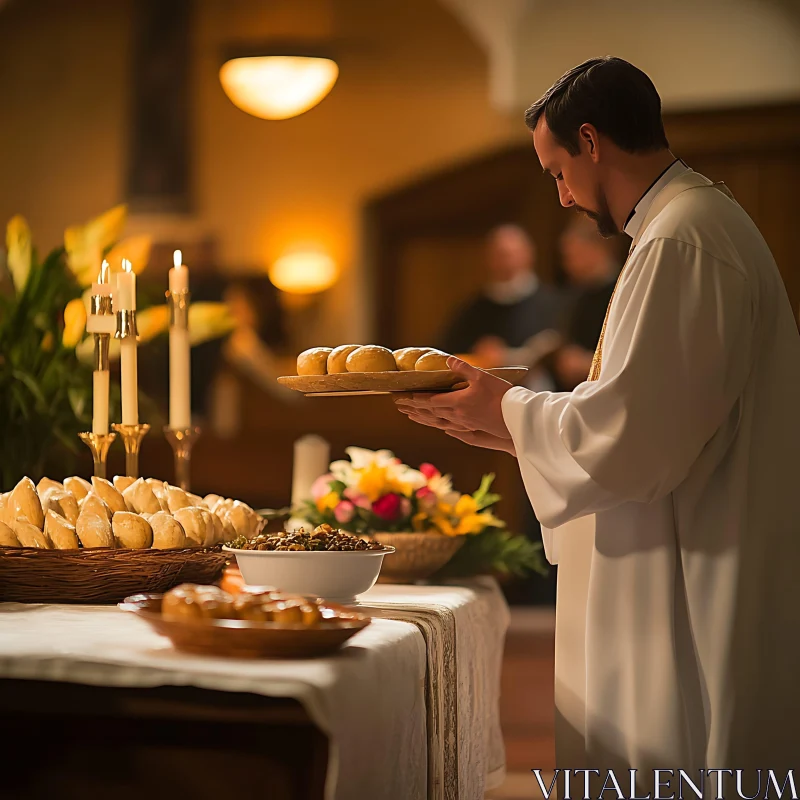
(699, 53)
(412, 96)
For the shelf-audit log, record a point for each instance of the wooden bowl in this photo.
(416, 555)
(239, 639)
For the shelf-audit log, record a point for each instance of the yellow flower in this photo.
(135, 248)
(18, 244)
(150, 322)
(465, 506)
(85, 244)
(372, 481)
(328, 502)
(209, 321)
(74, 322)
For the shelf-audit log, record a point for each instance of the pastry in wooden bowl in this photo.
(313, 361)
(371, 358)
(259, 623)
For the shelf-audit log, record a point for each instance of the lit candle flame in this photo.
(104, 275)
(126, 265)
(177, 259)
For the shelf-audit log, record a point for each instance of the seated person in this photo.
(513, 307)
(590, 263)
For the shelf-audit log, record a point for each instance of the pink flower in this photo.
(429, 471)
(321, 486)
(357, 498)
(344, 512)
(388, 507)
(427, 498)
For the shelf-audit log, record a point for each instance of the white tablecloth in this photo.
(418, 689)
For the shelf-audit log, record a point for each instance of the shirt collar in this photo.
(509, 292)
(636, 217)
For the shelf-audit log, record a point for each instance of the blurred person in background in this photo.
(590, 263)
(513, 307)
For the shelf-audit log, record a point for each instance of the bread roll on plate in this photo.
(434, 360)
(407, 357)
(337, 360)
(371, 358)
(313, 361)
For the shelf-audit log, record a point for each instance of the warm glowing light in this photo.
(104, 272)
(277, 87)
(126, 265)
(304, 272)
(177, 258)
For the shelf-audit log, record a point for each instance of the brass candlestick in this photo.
(132, 436)
(98, 443)
(181, 441)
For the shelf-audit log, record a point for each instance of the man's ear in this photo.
(589, 140)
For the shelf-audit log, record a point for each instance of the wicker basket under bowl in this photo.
(416, 555)
(28, 575)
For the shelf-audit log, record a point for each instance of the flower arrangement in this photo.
(45, 354)
(374, 492)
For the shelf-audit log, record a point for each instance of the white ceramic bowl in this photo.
(337, 576)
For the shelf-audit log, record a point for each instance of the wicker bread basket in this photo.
(29, 575)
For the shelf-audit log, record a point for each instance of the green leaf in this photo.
(77, 400)
(498, 551)
(483, 498)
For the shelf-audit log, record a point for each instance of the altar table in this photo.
(407, 710)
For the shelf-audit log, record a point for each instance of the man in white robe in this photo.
(668, 485)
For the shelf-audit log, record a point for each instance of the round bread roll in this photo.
(7, 537)
(371, 358)
(189, 601)
(94, 504)
(48, 483)
(196, 500)
(311, 613)
(434, 360)
(106, 492)
(61, 502)
(60, 532)
(167, 532)
(160, 491)
(94, 524)
(77, 487)
(131, 531)
(287, 612)
(30, 536)
(24, 502)
(196, 526)
(122, 482)
(407, 357)
(139, 497)
(176, 498)
(313, 361)
(337, 360)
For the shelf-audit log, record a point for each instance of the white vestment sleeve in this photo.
(676, 355)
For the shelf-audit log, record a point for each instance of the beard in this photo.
(606, 226)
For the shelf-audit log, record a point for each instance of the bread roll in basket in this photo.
(99, 542)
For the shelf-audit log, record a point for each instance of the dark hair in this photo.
(609, 93)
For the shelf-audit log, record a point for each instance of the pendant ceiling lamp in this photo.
(277, 84)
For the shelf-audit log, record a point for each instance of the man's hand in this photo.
(572, 365)
(473, 414)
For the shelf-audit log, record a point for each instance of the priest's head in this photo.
(598, 132)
